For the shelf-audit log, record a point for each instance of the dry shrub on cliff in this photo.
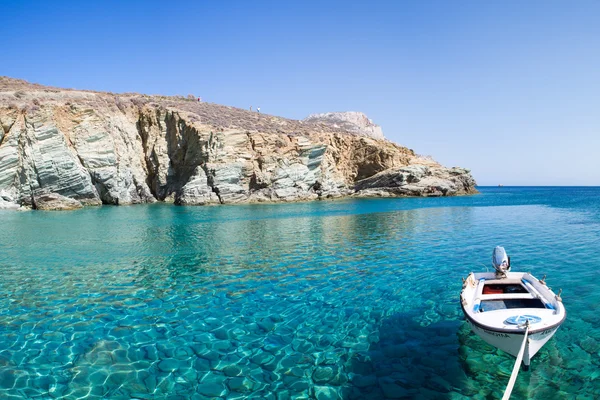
(120, 105)
(29, 108)
(9, 84)
(193, 118)
(139, 101)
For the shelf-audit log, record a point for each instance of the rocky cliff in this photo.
(61, 149)
(351, 121)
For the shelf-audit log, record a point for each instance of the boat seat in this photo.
(507, 296)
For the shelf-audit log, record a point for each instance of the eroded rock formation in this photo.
(95, 148)
(352, 121)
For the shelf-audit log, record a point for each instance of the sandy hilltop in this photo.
(63, 148)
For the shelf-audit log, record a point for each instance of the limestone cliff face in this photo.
(66, 148)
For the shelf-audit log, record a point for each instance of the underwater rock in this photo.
(322, 374)
(362, 381)
(221, 345)
(325, 393)
(590, 345)
(438, 384)
(232, 370)
(262, 358)
(392, 390)
(298, 385)
(239, 384)
(211, 389)
(168, 365)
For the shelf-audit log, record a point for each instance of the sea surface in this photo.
(345, 299)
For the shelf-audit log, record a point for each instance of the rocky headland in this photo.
(65, 148)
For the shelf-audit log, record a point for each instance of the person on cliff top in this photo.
(250, 108)
(258, 110)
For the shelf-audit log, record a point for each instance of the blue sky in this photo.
(509, 89)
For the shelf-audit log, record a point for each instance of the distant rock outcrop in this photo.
(417, 180)
(352, 121)
(60, 149)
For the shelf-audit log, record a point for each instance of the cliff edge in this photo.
(64, 148)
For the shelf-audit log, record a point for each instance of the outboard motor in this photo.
(500, 260)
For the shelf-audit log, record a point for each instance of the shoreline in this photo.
(242, 203)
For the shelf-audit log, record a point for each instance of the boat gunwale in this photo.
(517, 331)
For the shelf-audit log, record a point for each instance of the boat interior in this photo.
(503, 295)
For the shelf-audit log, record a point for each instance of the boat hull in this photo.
(499, 310)
(511, 342)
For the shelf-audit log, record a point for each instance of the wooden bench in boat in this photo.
(507, 296)
(499, 294)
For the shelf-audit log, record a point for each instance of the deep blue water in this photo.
(334, 299)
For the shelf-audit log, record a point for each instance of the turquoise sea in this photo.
(349, 299)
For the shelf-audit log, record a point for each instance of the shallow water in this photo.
(345, 299)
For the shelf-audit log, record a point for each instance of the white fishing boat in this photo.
(503, 306)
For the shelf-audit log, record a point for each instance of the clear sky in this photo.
(509, 89)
